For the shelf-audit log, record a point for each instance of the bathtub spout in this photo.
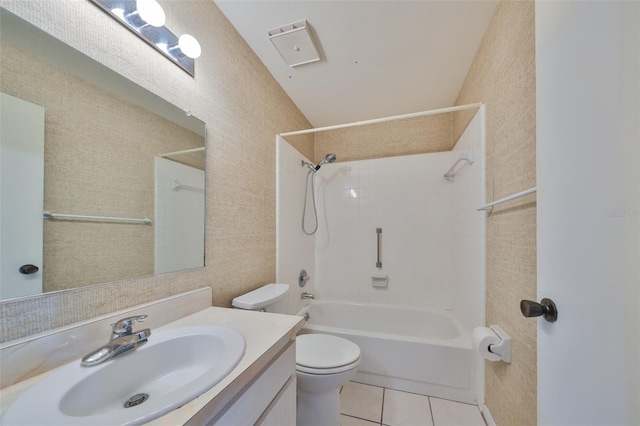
(306, 295)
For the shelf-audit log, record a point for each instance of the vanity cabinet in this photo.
(269, 399)
(283, 409)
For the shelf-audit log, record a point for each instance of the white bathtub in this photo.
(414, 350)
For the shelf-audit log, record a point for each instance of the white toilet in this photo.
(323, 362)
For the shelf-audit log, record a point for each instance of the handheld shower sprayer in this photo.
(329, 158)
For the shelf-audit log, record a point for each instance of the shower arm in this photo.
(311, 166)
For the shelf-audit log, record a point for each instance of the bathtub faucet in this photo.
(306, 295)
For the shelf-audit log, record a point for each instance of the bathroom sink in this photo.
(174, 367)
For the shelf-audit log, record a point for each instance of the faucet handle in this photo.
(124, 326)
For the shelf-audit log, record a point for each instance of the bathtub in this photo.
(409, 349)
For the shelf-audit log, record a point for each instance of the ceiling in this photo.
(377, 58)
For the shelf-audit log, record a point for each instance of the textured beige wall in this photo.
(303, 143)
(94, 165)
(503, 77)
(244, 108)
(403, 137)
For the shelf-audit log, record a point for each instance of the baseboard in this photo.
(487, 416)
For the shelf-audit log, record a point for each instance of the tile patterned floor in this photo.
(364, 405)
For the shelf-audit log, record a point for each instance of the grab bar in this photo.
(379, 232)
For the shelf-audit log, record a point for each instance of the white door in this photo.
(588, 159)
(21, 196)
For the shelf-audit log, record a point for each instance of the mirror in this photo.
(108, 179)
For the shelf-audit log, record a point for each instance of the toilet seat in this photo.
(325, 354)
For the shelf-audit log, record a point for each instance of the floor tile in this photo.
(449, 413)
(405, 409)
(354, 421)
(361, 401)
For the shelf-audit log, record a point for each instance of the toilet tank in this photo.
(271, 298)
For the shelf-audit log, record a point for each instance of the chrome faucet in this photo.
(306, 295)
(123, 339)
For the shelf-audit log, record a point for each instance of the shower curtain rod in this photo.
(184, 151)
(382, 120)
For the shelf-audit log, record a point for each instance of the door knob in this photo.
(28, 269)
(546, 308)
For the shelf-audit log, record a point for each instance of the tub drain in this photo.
(136, 399)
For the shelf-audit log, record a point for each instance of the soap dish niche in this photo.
(380, 281)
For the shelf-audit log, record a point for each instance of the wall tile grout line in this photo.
(360, 418)
(382, 409)
(433, 421)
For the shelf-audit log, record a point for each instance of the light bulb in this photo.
(189, 46)
(151, 12)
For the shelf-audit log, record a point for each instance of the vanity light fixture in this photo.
(146, 19)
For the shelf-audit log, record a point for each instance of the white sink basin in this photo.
(174, 367)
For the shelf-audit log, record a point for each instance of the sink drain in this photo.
(136, 399)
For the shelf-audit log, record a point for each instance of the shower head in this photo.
(329, 158)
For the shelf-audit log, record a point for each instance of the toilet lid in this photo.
(325, 351)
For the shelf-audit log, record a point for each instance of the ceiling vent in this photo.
(294, 43)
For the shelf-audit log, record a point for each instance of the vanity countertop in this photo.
(266, 335)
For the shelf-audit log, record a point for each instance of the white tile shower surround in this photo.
(410, 200)
(468, 228)
(430, 228)
(294, 250)
(364, 405)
